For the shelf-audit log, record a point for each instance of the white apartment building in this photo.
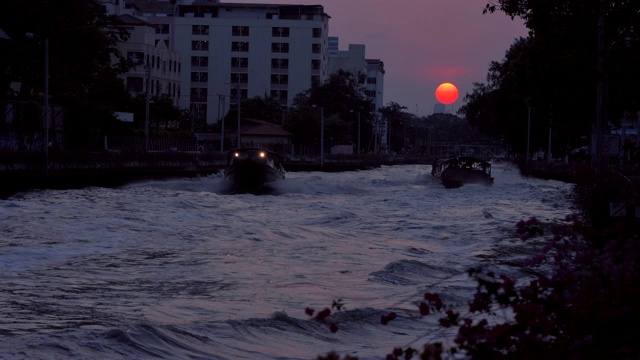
(247, 50)
(354, 60)
(233, 50)
(154, 65)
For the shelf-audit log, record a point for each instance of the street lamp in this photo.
(321, 136)
(358, 132)
(46, 99)
(146, 109)
(237, 85)
(221, 101)
(238, 99)
(528, 101)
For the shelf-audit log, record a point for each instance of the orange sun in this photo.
(447, 93)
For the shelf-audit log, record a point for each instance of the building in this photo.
(355, 61)
(156, 68)
(233, 51)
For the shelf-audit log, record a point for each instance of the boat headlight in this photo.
(262, 154)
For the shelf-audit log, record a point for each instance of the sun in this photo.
(447, 93)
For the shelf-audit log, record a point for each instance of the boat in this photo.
(456, 171)
(253, 167)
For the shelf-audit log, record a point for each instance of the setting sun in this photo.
(447, 93)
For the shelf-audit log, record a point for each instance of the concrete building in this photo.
(154, 65)
(234, 51)
(354, 60)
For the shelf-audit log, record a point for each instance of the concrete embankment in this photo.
(21, 171)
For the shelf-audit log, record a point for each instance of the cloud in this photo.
(375, 36)
(444, 73)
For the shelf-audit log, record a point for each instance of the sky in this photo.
(422, 43)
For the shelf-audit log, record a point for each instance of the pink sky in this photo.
(422, 43)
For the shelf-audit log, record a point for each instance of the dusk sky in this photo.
(422, 43)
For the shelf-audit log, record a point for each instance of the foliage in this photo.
(555, 71)
(82, 44)
(265, 108)
(449, 127)
(584, 309)
(593, 192)
(341, 99)
(398, 121)
(582, 304)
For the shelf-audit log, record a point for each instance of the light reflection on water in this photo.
(186, 268)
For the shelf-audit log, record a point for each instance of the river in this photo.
(189, 269)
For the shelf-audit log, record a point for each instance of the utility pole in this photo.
(146, 111)
(600, 111)
(238, 99)
(321, 137)
(46, 106)
(358, 132)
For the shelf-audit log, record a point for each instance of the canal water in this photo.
(193, 269)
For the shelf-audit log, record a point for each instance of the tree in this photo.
(265, 108)
(82, 45)
(556, 69)
(398, 120)
(341, 99)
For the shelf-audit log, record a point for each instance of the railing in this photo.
(154, 144)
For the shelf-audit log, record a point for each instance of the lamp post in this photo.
(46, 100)
(237, 86)
(358, 132)
(321, 137)
(238, 99)
(146, 109)
(221, 101)
(528, 126)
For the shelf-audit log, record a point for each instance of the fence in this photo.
(151, 144)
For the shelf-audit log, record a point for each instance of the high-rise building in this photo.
(234, 51)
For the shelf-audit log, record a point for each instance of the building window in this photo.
(315, 80)
(162, 29)
(240, 46)
(240, 62)
(200, 45)
(315, 64)
(371, 80)
(199, 76)
(280, 32)
(199, 109)
(316, 48)
(200, 30)
(279, 79)
(202, 61)
(199, 94)
(234, 94)
(240, 31)
(135, 84)
(279, 63)
(280, 95)
(239, 78)
(136, 57)
(317, 32)
(279, 47)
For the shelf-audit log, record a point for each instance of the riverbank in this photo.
(24, 170)
(21, 171)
